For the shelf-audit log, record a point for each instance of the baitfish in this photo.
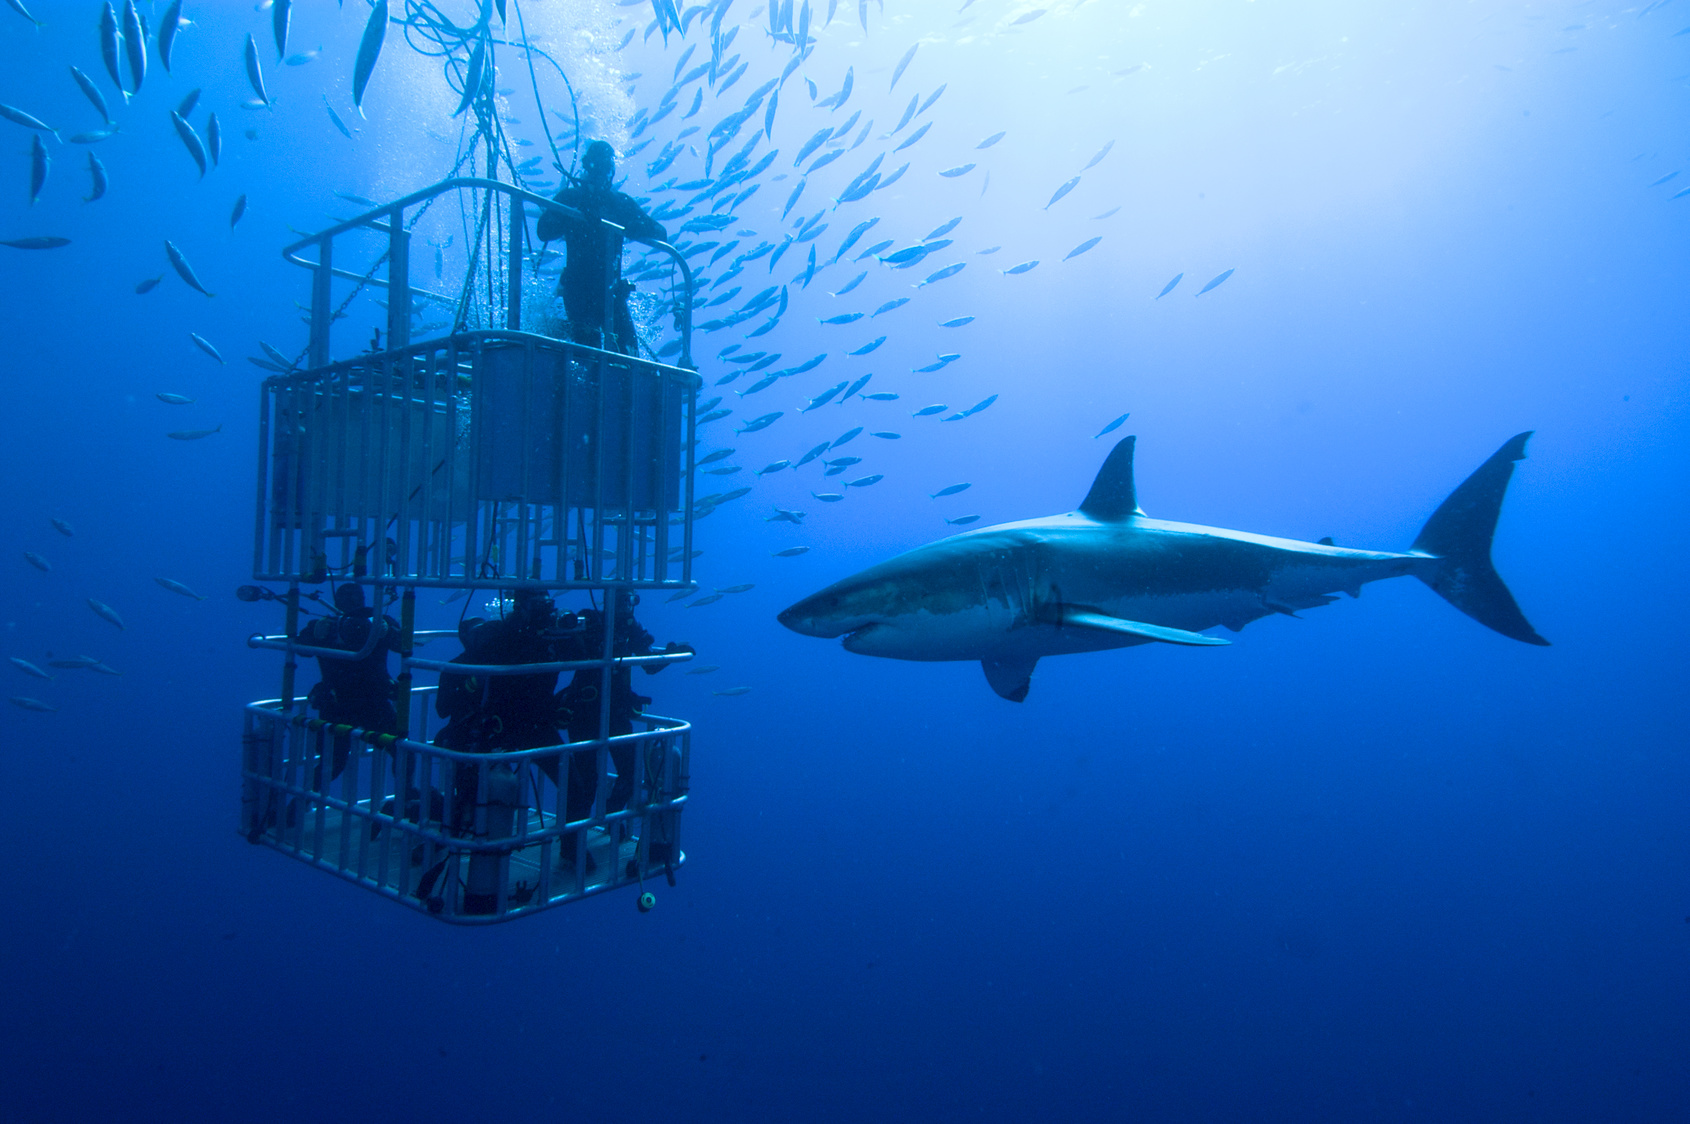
(167, 29)
(889, 306)
(1083, 247)
(192, 434)
(963, 520)
(1215, 282)
(369, 50)
(39, 162)
(1022, 268)
(1169, 287)
(782, 515)
(886, 435)
(940, 275)
(183, 269)
(1098, 159)
(28, 668)
(950, 490)
(848, 435)
(763, 422)
(1063, 190)
(1112, 426)
(178, 587)
(190, 139)
(92, 92)
(927, 411)
(775, 467)
(105, 612)
(956, 323)
(718, 455)
(844, 318)
(254, 72)
(882, 396)
(865, 481)
(97, 171)
(790, 552)
(868, 347)
(335, 118)
(732, 692)
(108, 47)
(27, 120)
(134, 44)
(707, 599)
(991, 140)
(823, 398)
(913, 137)
(174, 399)
(736, 588)
(63, 528)
(205, 345)
(828, 497)
(959, 170)
(37, 704)
(237, 212)
(37, 561)
(47, 243)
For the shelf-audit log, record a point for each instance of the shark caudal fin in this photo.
(1459, 535)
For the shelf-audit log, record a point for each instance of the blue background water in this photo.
(1376, 864)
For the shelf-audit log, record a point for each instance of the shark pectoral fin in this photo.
(1010, 678)
(1081, 618)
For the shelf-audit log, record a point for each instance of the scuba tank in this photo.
(495, 818)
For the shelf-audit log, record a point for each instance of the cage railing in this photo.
(469, 837)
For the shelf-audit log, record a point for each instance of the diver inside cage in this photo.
(352, 692)
(591, 284)
(494, 713)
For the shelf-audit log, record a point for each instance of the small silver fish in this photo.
(37, 561)
(100, 668)
(205, 345)
(178, 587)
(782, 515)
(237, 212)
(927, 411)
(1169, 287)
(887, 435)
(950, 490)
(775, 467)
(1063, 190)
(63, 528)
(1112, 426)
(106, 612)
(827, 497)
(97, 171)
(963, 520)
(1215, 282)
(192, 434)
(183, 269)
(704, 669)
(254, 72)
(707, 599)
(1022, 268)
(28, 668)
(790, 552)
(31, 704)
(735, 588)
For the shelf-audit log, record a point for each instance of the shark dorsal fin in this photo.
(1113, 498)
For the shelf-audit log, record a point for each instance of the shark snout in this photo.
(808, 618)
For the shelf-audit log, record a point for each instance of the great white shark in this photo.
(1108, 576)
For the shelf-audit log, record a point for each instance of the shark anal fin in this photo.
(1082, 618)
(1010, 678)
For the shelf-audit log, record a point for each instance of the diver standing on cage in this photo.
(592, 284)
(352, 692)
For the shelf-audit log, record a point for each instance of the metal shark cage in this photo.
(489, 457)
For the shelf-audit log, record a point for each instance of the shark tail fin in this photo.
(1459, 535)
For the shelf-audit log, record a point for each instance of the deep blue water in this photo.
(1375, 864)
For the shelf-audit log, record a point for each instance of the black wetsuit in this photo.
(580, 698)
(353, 692)
(592, 272)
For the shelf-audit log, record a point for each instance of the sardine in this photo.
(134, 44)
(63, 528)
(38, 705)
(1215, 282)
(950, 490)
(869, 346)
(963, 520)
(39, 163)
(1063, 190)
(174, 399)
(183, 269)
(167, 29)
(1022, 268)
(97, 171)
(105, 612)
(927, 411)
(1083, 247)
(178, 587)
(254, 72)
(92, 92)
(238, 210)
(192, 434)
(191, 139)
(1169, 287)
(205, 345)
(108, 47)
(1112, 426)
(37, 561)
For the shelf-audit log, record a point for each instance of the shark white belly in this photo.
(1107, 576)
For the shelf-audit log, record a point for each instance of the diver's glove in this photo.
(669, 649)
